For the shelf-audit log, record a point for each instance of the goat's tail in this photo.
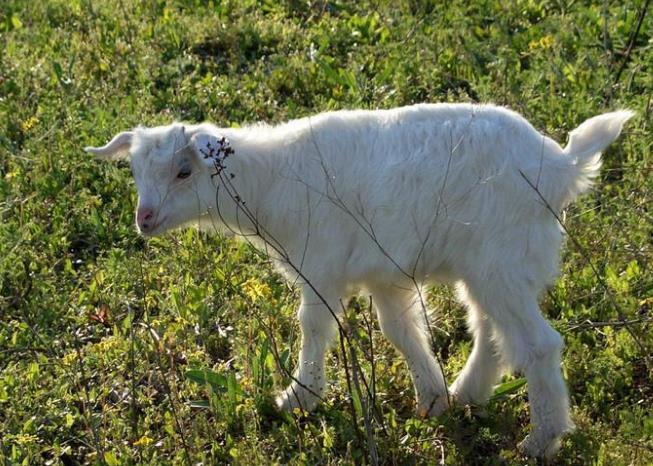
(585, 146)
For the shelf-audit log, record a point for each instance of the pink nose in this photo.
(145, 218)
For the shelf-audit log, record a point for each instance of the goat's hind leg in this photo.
(401, 319)
(474, 384)
(527, 343)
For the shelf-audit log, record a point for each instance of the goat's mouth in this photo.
(155, 228)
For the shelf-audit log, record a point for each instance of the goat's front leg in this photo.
(317, 320)
(401, 319)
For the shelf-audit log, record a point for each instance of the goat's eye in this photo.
(183, 173)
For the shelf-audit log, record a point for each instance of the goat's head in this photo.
(172, 166)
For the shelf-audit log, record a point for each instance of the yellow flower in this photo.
(143, 441)
(544, 43)
(24, 439)
(70, 357)
(28, 124)
(255, 289)
(106, 344)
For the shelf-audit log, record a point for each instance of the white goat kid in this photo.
(382, 201)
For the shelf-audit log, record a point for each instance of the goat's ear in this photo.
(116, 148)
(209, 149)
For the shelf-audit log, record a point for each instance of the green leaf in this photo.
(202, 404)
(217, 381)
(233, 388)
(349, 79)
(507, 388)
(16, 22)
(331, 73)
(58, 70)
(111, 459)
(358, 406)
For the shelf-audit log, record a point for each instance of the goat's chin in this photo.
(166, 225)
(202, 222)
(152, 233)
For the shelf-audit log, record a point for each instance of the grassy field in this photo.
(119, 350)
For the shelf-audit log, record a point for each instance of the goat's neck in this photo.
(242, 186)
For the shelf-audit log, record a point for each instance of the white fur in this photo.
(379, 201)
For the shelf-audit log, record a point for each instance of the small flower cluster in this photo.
(218, 154)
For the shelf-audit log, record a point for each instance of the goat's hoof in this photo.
(473, 407)
(435, 407)
(538, 446)
(295, 397)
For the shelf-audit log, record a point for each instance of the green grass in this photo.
(116, 350)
